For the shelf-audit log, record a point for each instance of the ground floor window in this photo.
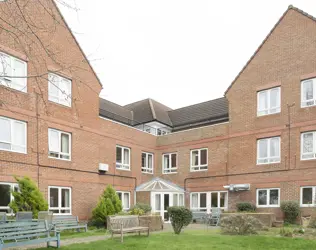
(125, 199)
(308, 196)
(204, 201)
(6, 197)
(198, 201)
(178, 200)
(59, 199)
(269, 197)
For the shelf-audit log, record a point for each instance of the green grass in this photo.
(197, 240)
(73, 234)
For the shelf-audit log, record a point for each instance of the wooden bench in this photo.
(16, 234)
(67, 222)
(126, 224)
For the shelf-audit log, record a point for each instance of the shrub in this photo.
(180, 217)
(245, 207)
(136, 211)
(291, 210)
(108, 204)
(145, 207)
(286, 232)
(240, 224)
(28, 197)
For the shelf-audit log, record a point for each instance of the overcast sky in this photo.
(178, 52)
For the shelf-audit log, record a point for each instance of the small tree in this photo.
(245, 207)
(108, 204)
(28, 197)
(180, 217)
(240, 224)
(291, 210)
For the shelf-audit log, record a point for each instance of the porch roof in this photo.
(159, 185)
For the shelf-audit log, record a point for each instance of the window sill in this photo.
(15, 90)
(170, 173)
(147, 173)
(122, 169)
(308, 206)
(11, 151)
(61, 105)
(274, 206)
(309, 159)
(67, 160)
(268, 163)
(200, 170)
(258, 116)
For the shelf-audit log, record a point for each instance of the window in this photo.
(169, 163)
(12, 135)
(268, 197)
(59, 89)
(178, 200)
(147, 163)
(198, 201)
(308, 149)
(6, 197)
(125, 199)
(59, 199)
(122, 158)
(308, 94)
(13, 72)
(268, 150)
(59, 144)
(308, 196)
(219, 199)
(269, 101)
(199, 159)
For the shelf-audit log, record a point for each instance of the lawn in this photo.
(198, 240)
(73, 234)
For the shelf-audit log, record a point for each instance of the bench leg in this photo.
(148, 232)
(112, 235)
(58, 240)
(138, 233)
(121, 236)
(86, 228)
(48, 246)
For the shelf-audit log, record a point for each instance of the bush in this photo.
(137, 211)
(245, 207)
(108, 204)
(286, 232)
(291, 210)
(28, 197)
(180, 217)
(240, 224)
(145, 207)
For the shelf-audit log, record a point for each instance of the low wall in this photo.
(266, 218)
(156, 223)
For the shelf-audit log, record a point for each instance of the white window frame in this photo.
(269, 110)
(12, 185)
(61, 94)
(170, 170)
(314, 146)
(10, 81)
(270, 160)
(313, 204)
(209, 201)
(146, 169)
(311, 101)
(129, 199)
(59, 200)
(268, 197)
(123, 166)
(59, 140)
(198, 208)
(12, 121)
(199, 167)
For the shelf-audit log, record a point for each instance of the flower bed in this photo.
(266, 218)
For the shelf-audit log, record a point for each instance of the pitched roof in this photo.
(205, 112)
(115, 112)
(291, 7)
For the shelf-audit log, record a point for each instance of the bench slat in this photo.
(30, 242)
(19, 232)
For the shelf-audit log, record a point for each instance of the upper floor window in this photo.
(269, 197)
(12, 135)
(169, 163)
(59, 144)
(59, 199)
(199, 159)
(308, 93)
(125, 199)
(123, 158)
(268, 150)
(308, 149)
(59, 89)
(308, 196)
(269, 101)
(147, 163)
(6, 197)
(13, 72)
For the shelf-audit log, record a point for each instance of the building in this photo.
(254, 144)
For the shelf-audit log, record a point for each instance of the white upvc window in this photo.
(12, 135)
(147, 163)
(268, 101)
(59, 89)
(59, 144)
(308, 93)
(169, 163)
(6, 196)
(59, 199)
(13, 72)
(308, 196)
(125, 198)
(198, 159)
(308, 148)
(268, 197)
(268, 150)
(198, 201)
(205, 201)
(123, 158)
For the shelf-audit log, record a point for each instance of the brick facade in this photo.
(285, 58)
